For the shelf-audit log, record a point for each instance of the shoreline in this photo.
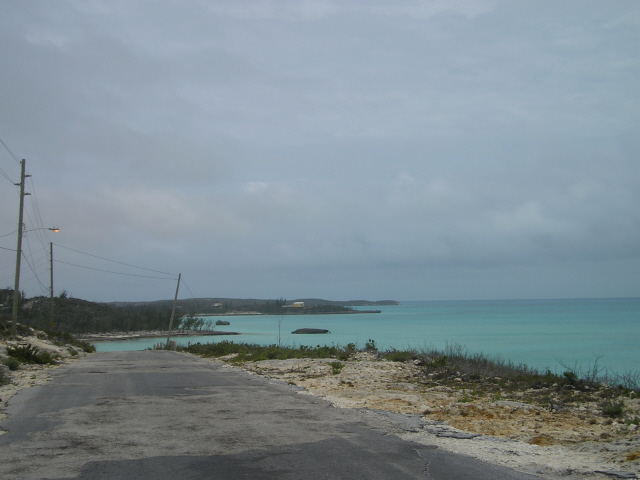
(281, 314)
(122, 336)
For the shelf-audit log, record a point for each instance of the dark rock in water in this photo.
(310, 330)
(222, 322)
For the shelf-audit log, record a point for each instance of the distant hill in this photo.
(75, 315)
(348, 303)
(204, 305)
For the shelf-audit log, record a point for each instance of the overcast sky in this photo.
(378, 149)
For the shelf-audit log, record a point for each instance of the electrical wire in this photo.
(187, 287)
(34, 200)
(115, 261)
(199, 304)
(32, 268)
(42, 233)
(28, 250)
(10, 152)
(4, 174)
(116, 273)
(13, 156)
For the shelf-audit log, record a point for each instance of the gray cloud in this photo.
(413, 149)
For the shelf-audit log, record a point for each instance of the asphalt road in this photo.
(164, 415)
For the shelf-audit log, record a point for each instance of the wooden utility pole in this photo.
(52, 324)
(173, 311)
(16, 287)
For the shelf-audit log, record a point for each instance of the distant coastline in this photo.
(119, 336)
(214, 307)
(291, 311)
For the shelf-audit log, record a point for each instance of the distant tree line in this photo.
(74, 315)
(276, 307)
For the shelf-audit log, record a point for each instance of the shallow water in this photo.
(543, 334)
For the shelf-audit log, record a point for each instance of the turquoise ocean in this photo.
(543, 334)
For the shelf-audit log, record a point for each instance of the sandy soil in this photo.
(572, 443)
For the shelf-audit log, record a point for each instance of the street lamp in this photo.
(53, 229)
(16, 287)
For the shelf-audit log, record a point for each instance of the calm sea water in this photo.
(540, 333)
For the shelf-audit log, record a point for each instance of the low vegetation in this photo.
(242, 352)
(29, 354)
(79, 316)
(475, 376)
(54, 336)
(336, 367)
(480, 376)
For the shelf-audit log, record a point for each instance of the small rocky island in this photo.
(307, 331)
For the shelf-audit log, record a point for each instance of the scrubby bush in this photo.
(370, 346)
(12, 363)
(65, 338)
(571, 377)
(399, 355)
(254, 352)
(612, 408)
(336, 367)
(29, 354)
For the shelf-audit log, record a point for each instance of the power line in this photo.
(4, 174)
(32, 268)
(36, 208)
(199, 304)
(30, 252)
(115, 261)
(187, 287)
(116, 273)
(10, 152)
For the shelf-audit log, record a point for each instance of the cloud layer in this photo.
(410, 150)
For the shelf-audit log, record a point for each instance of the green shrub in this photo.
(439, 361)
(61, 338)
(29, 354)
(398, 356)
(465, 398)
(336, 367)
(3, 378)
(613, 408)
(12, 363)
(370, 346)
(571, 377)
(86, 346)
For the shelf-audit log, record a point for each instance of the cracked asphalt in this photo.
(166, 415)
